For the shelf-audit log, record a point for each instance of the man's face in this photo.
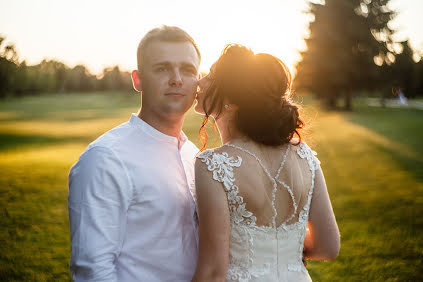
(169, 78)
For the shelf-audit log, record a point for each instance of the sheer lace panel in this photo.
(270, 188)
(269, 192)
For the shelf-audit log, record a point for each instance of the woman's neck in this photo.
(227, 129)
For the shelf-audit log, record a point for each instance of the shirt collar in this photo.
(139, 123)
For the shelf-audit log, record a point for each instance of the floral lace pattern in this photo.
(244, 231)
(222, 167)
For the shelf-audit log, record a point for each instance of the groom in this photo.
(131, 207)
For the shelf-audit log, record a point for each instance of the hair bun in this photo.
(269, 123)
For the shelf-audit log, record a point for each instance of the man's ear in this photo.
(136, 80)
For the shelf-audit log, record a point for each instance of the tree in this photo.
(8, 67)
(347, 38)
(419, 75)
(113, 79)
(80, 79)
(405, 71)
(51, 76)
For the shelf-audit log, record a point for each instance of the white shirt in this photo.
(131, 207)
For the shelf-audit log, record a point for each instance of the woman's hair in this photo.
(260, 85)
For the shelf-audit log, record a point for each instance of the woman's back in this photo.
(269, 192)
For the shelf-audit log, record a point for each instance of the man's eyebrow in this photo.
(162, 64)
(166, 63)
(186, 64)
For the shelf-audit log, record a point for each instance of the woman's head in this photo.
(259, 87)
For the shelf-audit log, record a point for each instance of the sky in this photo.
(102, 33)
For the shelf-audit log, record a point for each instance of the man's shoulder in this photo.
(191, 149)
(109, 143)
(113, 137)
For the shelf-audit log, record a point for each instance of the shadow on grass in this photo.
(68, 107)
(9, 141)
(397, 125)
(414, 166)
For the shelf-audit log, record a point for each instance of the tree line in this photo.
(351, 50)
(51, 76)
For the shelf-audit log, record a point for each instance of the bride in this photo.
(263, 205)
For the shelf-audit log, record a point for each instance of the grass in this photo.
(374, 175)
(372, 160)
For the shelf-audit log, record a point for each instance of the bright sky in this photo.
(100, 33)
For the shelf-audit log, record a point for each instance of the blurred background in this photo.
(65, 80)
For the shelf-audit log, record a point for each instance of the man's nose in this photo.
(175, 78)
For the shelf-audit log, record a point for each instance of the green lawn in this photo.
(372, 160)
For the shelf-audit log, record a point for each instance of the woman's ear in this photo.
(230, 107)
(136, 80)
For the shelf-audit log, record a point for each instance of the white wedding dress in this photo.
(266, 245)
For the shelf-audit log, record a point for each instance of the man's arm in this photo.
(99, 196)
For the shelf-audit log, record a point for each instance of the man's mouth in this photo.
(175, 94)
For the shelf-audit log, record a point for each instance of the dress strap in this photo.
(305, 152)
(274, 180)
(259, 161)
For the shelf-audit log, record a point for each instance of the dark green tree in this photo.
(347, 45)
(80, 79)
(51, 76)
(405, 71)
(419, 74)
(114, 79)
(8, 68)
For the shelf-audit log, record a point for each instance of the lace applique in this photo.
(236, 273)
(221, 165)
(305, 152)
(242, 267)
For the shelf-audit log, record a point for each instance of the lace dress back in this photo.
(269, 194)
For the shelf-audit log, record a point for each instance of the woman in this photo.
(260, 190)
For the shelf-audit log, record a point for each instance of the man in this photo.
(131, 207)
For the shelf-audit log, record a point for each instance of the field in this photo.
(372, 159)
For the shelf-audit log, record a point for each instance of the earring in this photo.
(227, 106)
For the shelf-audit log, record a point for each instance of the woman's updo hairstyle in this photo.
(260, 85)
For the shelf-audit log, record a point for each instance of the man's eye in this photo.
(190, 71)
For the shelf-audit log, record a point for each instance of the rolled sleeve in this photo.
(99, 196)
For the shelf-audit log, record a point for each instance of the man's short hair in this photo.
(163, 33)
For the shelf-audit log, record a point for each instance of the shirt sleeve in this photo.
(99, 196)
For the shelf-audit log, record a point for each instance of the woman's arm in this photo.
(214, 226)
(322, 239)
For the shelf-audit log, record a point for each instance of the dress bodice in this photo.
(263, 252)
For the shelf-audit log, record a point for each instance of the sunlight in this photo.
(103, 33)
(99, 39)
